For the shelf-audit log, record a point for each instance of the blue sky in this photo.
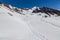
(31, 3)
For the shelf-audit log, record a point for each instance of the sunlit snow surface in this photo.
(28, 27)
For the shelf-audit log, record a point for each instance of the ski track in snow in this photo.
(50, 23)
(39, 35)
(36, 33)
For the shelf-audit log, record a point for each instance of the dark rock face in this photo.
(0, 2)
(47, 11)
(36, 11)
(17, 10)
(7, 5)
(50, 11)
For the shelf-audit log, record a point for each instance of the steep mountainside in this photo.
(29, 24)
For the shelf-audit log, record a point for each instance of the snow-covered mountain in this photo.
(29, 24)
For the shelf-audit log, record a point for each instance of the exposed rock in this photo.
(47, 10)
(0, 2)
(17, 10)
(36, 11)
(10, 14)
(7, 5)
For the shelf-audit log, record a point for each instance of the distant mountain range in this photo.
(46, 10)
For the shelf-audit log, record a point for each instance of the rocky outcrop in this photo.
(7, 5)
(47, 10)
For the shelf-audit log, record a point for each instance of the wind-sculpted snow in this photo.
(12, 28)
(54, 22)
(43, 28)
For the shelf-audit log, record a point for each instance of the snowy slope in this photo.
(44, 28)
(13, 27)
(25, 25)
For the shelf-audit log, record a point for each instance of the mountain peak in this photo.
(35, 7)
